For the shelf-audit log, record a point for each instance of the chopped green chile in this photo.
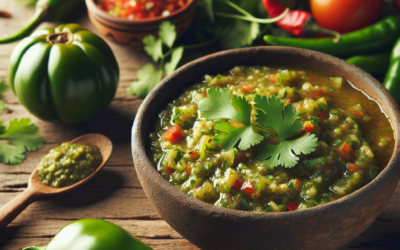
(336, 113)
(68, 164)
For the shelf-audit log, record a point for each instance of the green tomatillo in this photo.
(93, 234)
(66, 74)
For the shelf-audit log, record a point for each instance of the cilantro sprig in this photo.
(21, 135)
(272, 114)
(148, 77)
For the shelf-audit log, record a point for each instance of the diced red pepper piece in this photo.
(297, 182)
(292, 206)
(247, 87)
(188, 170)
(205, 94)
(238, 185)
(308, 127)
(193, 155)
(169, 170)
(174, 134)
(248, 188)
(351, 167)
(347, 152)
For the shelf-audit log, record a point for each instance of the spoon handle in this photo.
(14, 207)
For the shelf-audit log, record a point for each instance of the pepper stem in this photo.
(311, 28)
(60, 37)
(38, 17)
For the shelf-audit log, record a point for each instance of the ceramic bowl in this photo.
(327, 226)
(132, 32)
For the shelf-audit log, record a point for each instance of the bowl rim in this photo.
(93, 7)
(141, 159)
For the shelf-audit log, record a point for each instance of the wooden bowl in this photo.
(327, 226)
(132, 32)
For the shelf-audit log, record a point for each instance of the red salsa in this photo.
(140, 9)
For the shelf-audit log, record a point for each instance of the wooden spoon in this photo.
(36, 189)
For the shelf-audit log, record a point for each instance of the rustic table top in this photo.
(115, 193)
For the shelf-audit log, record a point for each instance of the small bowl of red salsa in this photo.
(129, 21)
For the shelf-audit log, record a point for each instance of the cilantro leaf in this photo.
(175, 58)
(23, 135)
(228, 136)
(153, 47)
(218, 105)
(10, 154)
(148, 78)
(272, 113)
(286, 152)
(167, 33)
(241, 33)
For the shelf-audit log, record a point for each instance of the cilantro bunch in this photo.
(20, 135)
(273, 119)
(148, 77)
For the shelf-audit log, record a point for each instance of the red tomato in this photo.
(345, 15)
(351, 167)
(248, 188)
(174, 134)
(347, 152)
(292, 206)
(193, 155)
(247, 87)
(170, 170)
(238, 185)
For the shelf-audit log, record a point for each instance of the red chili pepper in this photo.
(170, 170)
(248, 188)
(296, 22)
(238, 185)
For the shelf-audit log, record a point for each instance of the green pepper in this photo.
(67, 73)
(373, 64)
(376, 37)
(46, 10)
(93, 234)
(392, 78)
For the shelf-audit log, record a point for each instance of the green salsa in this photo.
(348, 140)
(68, 164)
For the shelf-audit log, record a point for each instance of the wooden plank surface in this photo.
(115, 194)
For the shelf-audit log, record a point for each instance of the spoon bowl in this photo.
(36, 189)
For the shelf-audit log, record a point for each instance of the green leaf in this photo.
(219, 105)
(286, 152)
(34, 248)
(272, 113)
(167, 33)
(2, 127)
(242, 33)
(10, 154)
(28, 2)
(23, 135)
(153, 47)
(175, 58)
(228, 136)
(148, 78)
(209, 10)
(3, 87)
(2, 106)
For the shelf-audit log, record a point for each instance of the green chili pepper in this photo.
(66, 74)
(46, 10)
(93, 234)
(375, 37)
(392, 78)
(373, 64)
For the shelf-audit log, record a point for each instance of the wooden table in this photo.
(115, 194)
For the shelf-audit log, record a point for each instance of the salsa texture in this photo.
(68, 164)
(345, 139)
(140, 9)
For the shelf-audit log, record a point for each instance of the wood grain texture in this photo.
(114, 193)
